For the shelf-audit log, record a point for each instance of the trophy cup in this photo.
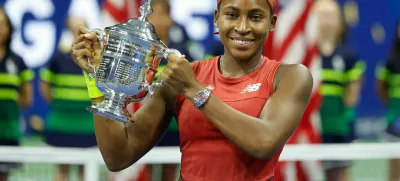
(122, 73)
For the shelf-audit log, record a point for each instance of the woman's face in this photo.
(244, 26)
(5, 29)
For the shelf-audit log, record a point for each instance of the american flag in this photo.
(116, 12)
(294, 41)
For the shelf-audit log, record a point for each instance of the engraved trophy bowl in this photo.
(122, 73)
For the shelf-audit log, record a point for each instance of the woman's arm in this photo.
(261, 137)
(26, 76)
(45, 91)
(25, 95)
(122, 146)
(354, 76)
(352, 94)
(47, 75)
(383, 91)
(383, 75)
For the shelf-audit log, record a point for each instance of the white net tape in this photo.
(92, 159)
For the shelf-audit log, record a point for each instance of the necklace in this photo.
(225, 74)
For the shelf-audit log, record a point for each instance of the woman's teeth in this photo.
(242, 42)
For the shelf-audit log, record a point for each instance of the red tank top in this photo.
(207, 155)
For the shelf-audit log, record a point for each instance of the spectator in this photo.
(342, 73)
(63, 86)
(389, 92)
(15, 91)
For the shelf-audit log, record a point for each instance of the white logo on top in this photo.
(210, 87)
(251, 88)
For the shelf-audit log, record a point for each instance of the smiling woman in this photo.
(234, 111)
(244, 30)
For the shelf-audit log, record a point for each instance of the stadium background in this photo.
(40, 23)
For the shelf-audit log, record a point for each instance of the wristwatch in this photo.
(201, 98)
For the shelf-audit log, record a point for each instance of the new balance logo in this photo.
(210, 87)
(251, 88)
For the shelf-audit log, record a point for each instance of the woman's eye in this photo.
(256, 17)
(231, 15)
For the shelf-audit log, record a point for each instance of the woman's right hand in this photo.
(86, 47)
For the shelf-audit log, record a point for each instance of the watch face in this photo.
(202, 96)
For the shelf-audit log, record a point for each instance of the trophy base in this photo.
(108, 115)
(111, 107)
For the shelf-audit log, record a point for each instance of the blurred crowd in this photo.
(69, 124)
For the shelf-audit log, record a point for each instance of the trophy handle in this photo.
(102, 37)
(151, 88)
(170, 51)
(128, 100)
(91, 75)
(147, 86)
(165, 55)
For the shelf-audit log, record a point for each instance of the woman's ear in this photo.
(273, 22)
(216, 16)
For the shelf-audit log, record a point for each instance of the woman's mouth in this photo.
(242, 43)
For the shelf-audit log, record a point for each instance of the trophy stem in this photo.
(111, 107)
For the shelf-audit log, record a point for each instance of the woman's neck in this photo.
(236, 68)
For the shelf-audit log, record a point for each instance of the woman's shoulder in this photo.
(203, 64)
(296, 69)
(295, 73)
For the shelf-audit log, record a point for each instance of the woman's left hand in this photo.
(179, 74)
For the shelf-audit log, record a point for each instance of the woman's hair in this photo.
(395, 52)
(269, 5)
(10, 29)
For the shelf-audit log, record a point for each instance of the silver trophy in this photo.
(123, 74)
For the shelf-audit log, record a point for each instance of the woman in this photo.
(63, 86)
(15, 91)
(389, 92)
(342, 73)
(234, 112)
